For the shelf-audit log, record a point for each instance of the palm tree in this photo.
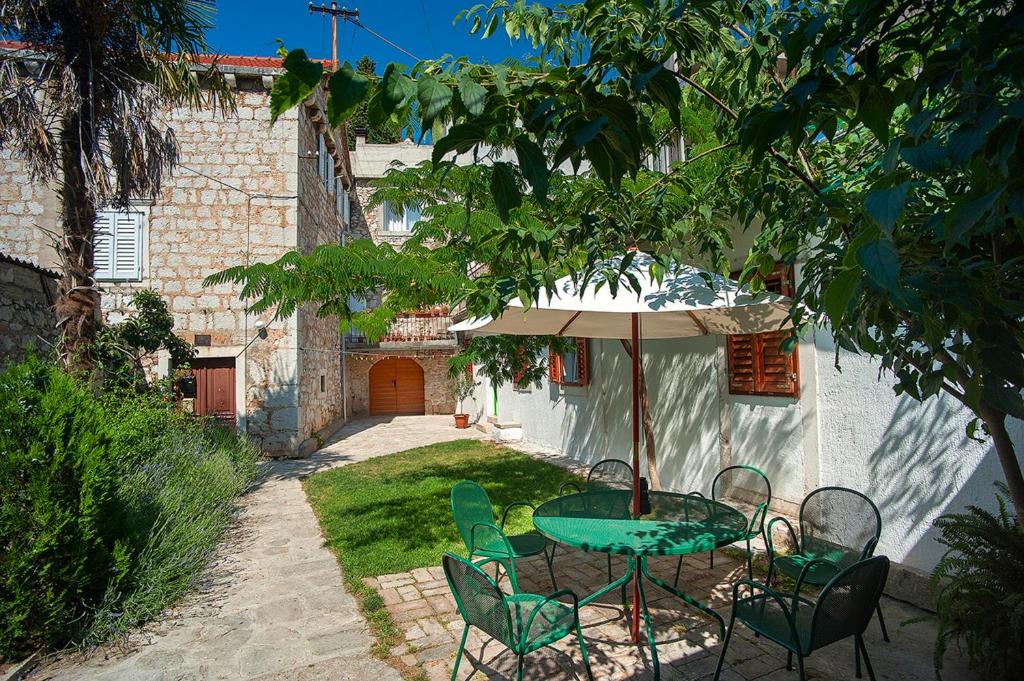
(89, 120)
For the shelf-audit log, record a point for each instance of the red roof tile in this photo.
(222, 59)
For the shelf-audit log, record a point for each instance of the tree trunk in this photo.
(78, 300)
(995, 421)
(648, 424)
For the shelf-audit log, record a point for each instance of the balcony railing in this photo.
(414, 328)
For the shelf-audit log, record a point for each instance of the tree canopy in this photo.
(876, 143)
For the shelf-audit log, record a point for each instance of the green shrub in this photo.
(981, 590)
(57, 513)
(110, 506)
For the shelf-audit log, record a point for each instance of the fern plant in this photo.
(980, 584)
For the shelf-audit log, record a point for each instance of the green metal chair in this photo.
(522, 622)
(605, 474)
(802, 626)
(474, 518)
(747, 484)
(837, 524)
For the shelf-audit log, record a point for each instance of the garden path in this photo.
(273, 606)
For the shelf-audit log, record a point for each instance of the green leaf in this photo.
(1004, 398)
(925, 157)
(461, 138)
(491, 25)
(839, 293)
(505, 189)
(589, 131)
(397, 89)
(533, 165)
(664, 89)
(347, 89)
(885, 205)
(472, 93)
(876, 111)
(881, 261)
(433, 97)
(299, 80)
(962, 219)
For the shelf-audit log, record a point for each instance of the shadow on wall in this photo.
(682, 384)
(926, 466)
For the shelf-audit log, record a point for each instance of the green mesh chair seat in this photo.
(520, 621)
(837, 528)
(553, 620)
(484, 539)
(768, 617)
(801, 626)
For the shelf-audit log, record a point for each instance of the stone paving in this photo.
(688, 642)
(273, 606)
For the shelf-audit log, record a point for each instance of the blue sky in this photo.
(423, 27)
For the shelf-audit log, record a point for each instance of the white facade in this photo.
(847, 428)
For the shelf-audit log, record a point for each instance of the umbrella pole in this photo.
(635, 628)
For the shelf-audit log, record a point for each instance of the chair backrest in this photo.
(748, 485)
(839, 524)
(610, 474)
(480, 601)
(470, 505)
(848, 601)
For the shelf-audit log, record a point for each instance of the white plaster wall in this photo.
(913, 459)
(593, 422)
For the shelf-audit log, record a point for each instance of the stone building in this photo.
(243, 191)
(406, 372)
(27, 293)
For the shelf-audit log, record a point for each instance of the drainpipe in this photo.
(494, 389)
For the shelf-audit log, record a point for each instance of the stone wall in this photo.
(27, 293)
(436, 397)
(232, 199)
(320, 381)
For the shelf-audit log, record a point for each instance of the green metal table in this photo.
(677, 525)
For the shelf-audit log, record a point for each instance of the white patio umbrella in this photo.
(688, 302)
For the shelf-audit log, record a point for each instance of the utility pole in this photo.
(334, 12)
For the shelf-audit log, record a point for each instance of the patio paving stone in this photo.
(688, 641)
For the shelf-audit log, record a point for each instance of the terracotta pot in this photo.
(462, 420)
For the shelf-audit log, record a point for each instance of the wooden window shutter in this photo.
(554, 367)
(127, 260)
(582, 362)
(742, 371)
(103, 245)
(757, 363)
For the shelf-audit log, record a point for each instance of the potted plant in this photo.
(462, 386)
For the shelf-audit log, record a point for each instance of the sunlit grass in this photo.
(391, 513)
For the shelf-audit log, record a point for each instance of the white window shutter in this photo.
(128, 246)
(103, 245)
(346, 210)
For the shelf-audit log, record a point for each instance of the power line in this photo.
(378, 36)
(426, 25)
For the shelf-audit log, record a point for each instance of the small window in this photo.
(341, 203)
(757, 363)
(323, 384)
(117, 245)
(324, 164)
(570, 368)
(397, 220)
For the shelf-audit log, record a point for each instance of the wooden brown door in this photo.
(396, 387)
(215, 387)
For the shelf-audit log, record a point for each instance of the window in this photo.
(396, 220)
(570, 368)
(325, 164)
(757, 363)
(117, 245)
(341, 204)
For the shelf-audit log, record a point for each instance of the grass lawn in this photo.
(392, 514)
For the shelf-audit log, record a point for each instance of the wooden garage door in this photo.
(396, 387)
(215, 388)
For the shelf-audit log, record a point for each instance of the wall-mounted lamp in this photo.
(261, 329)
